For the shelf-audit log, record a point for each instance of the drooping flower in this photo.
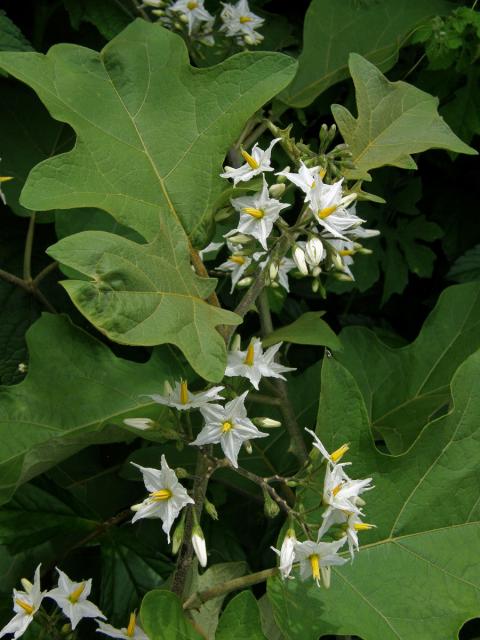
(257, 214)
(239, 21)
(340, 491)
(334, 457)
(286, 553)
(228, 426)
(237, 264)
(72, 596)
(182, 398)
(167, 496)
(131, 631)
(25, 605)
(255, 163)
(194, 11)
(317, 558)
(329, 207)
(254, 363)
(351, 524)
(199, 546)
(307, 178)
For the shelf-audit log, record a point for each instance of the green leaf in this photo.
(73, 394)
(416, 576)
(332, 30)
(151, 138)
(309, 328)
(462, 112)
(241, 619)
(395, 119)
(11, 38)
(467, 267)
(403, 388)
(109, 16)
(163, 617)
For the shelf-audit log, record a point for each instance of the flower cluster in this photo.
(71, 598)
(342, 519)
(2, 180)
(238, 22)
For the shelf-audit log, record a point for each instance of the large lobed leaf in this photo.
(332, 30)
(417, 575)
(395, 119)
(152, 133)
(404, 388)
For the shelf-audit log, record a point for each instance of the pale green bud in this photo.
(267, 423)
(316, 271)
(315, 285)
(178, 534)
(283, 179)
(343, 277)
(273, 271)
(210, 509)
(239, 238)
(180, 472)
(270, 507)
(244, 282)
(236, 342)
(248, 447)
(299, 258)
(277, 190)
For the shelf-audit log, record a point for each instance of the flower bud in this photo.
(180, 472)
(178, 26)
(337, 261)
(267, 423)
(314, 251)
(283, 179)
(236, 342)
(210, 509)
(248, 447)
(273, 271)
(365, 252)
(344, 277)
(249, 40)
(270, 507)
(158, 12)
(299, 259)
(66, 629)
(315, 285)
(239, 238)
(144, 424)
(276, 190)
(26, 584)
(136, 507)
(199, 546)
(244, 282)
(316, 271)
(22, 367)
(177, 537)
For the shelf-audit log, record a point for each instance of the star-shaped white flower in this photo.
(72, 596)
(284, 267)
(257, 214)
(286, 553)
(254, 363)
(238, 20)
(194, 11)
(340, 491)
(255, 163)
(328, 205)
(237, 264)
(307, 178)
(25, 605)
(167, 496)
(344, 249)
(317, 558)
(228, 426)
(182, 398)
(330, 457)
(351, 523)
(132, 631)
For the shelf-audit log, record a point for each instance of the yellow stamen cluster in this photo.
(28, 608)
(183, 392)
(315, 564)
(5, 178)
(324, 213)
(255, 213)
(339, 453)
(227, 426)
(161, 495)
(336, 489)
(250, 355)
(237, 259)
(192, 5)
(252, 163)
(131, 625)
(363, 526)
(76, 593)
(346, 252)
(245, 19)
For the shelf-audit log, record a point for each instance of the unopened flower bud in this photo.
(158, 12)
(315, 285)
(66, 628)
(299, 259)
(239, 238)
(365, 252)
(180, 472)
(177, 537)
(236, 343)
(283, 179)
(248, 447)
(270, 507)
(178, 26)
(167, 388)
(143, 424)
(316, 271)
(267, 423)
(210, 509)
(273, 271)
(22, 367)
(277, 190)
(244, 282)
(337, 261)
(184, 18)
(314, 251)
(199, 546)
(344, 277)
(249, 40)
(26, 584)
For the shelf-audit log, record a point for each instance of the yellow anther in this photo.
(363, 526)
(183, 392)
(336, 489)
(339, 453)
(250, 355)
(5, 178)
(131, 625)
(244, 20)
(75, 595)
(346, 252)
(252, 163)
(255, 213)
(28, 608)
(314, 563)
(192, 5)
(313, 185)
(324, 213)
(227, 426)
(161, 495)
(237, 259)
(322, 173)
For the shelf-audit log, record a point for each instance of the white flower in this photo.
(25, 605)
(2, 196)
(72, 596)
(167, 496)
(314, 251)
(330, 457)
(299, 258)
(182, 398)
(213, 247)
(352, 524)
(238, 20)
(284, 268)
(307, 178)
(254, 363)
(199, 546)
(237, 264)
(316, 558)
(344, 250)
(340, 491)
(286, 553)
(229, 426)
(255, 163)
(329, 208)
(194, 11)
(132, 631)
(143, 424)
(257, 214)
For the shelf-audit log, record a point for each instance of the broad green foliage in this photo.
(74, 388)
(163, 618)
(241, 619)
(11, 38)
(404, 388)
(309, 328)
(110, 16)
(467, 267)
(395, 119)
(415, 575)
(332, 30)
(152, 133)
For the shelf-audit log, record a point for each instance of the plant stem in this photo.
(27, 256)
(44, 272)
(197, 599)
